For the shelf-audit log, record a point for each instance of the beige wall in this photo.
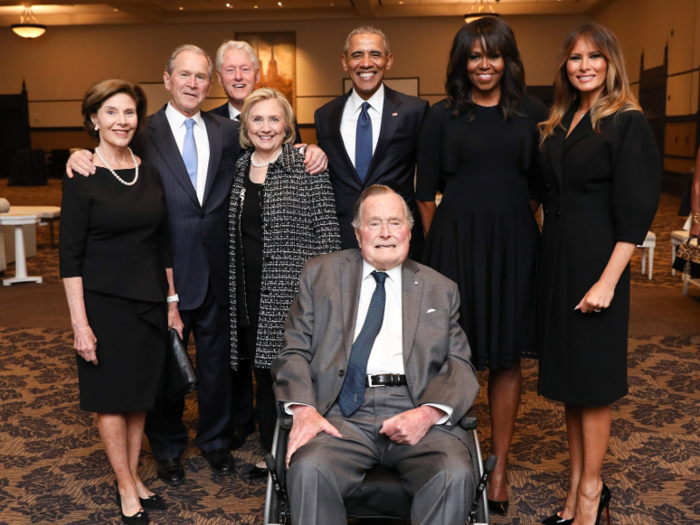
(60, 65)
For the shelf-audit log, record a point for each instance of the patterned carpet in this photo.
(53, 468)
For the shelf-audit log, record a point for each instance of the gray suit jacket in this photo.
(321, 324)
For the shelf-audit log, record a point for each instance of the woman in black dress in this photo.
(116, 266)
(603, 177)
(280, 216)
(481, 143)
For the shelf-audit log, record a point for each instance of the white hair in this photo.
(237, 45)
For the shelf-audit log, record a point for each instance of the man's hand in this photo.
(307, 424)
(315, 159)
(409, 427)
(80, 162)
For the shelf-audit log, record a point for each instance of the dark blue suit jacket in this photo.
(199, 233)
(223, 111)
(393, 163)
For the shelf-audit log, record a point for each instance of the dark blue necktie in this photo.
(189, 152)
(352, 394)
(363, 142)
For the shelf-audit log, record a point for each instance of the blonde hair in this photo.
(616, 97)
(258, 96)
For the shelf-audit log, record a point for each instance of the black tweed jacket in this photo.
(299, 222)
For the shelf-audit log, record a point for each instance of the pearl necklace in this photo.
(252, 160)
(136, 166)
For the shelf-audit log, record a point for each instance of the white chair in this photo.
(678, 237)
(648, 250)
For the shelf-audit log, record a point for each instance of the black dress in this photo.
(116, 238)
(602, 188)
(483, 235)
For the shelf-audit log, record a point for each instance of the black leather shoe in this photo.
(555, 519)
(257, 473)
(170, 471)
(498, 507)
(240, 434)
(154, 502)
(220, 461)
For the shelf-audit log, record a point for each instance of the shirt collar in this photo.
(232, 111)
(394, 274)
(376, 101)
(177, 119)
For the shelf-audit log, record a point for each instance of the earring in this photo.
(96, 127)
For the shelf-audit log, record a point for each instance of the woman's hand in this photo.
(597, 298)
(85, 343)
(174, 320)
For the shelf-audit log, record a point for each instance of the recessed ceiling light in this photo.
(400, 3)
(182, 8)
(116, 10)
(279, 4)
(255, 7)
(228, 5)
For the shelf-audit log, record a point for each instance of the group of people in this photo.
(222, 225)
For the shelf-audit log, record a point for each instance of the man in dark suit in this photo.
(381, 135)
(195, 154)
(365, 318)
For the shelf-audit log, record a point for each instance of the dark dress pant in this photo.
(165, 429)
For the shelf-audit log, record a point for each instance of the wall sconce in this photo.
(480, 9)
(29, 26)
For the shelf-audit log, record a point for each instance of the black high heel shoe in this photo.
(555, 519)
(604, 505)
(154, 502)
(140, 518)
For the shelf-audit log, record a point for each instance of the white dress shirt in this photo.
(348, 123)
(232, 111)
(201, 140)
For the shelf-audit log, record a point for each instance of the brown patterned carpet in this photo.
(53, 468)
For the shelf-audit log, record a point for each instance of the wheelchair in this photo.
(381, 495)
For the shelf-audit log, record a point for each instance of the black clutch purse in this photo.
(180, 377)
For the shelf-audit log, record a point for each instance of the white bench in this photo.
(17, 220)
(47, 214)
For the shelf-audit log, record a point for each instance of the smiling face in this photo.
(587, 69)
(238, 76)
(266, 126)
(189, 82)
(384, 234)
(366, 61)
(116, 120)
(485, 70)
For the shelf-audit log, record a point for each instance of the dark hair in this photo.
(100, 92)
(495, 36)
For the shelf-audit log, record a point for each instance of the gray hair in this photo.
(191, 48)
(377, 189)
(237, 45)
(367, 30)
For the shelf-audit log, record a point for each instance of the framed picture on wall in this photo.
(278, 63)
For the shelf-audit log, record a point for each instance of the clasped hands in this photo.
(406, 428)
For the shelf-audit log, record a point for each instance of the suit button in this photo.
(328, 405)
(546, 212)
(546, 186)
(341, 373)
(204, 216)
(558, 213)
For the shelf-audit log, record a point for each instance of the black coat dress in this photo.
(601, 188)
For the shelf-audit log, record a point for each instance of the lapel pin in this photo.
(394, 114)
(415, 282)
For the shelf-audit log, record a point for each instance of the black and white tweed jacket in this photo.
(299, 222)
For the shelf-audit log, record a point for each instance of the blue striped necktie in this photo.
(363, 142)
(189, 152)
(352, 393)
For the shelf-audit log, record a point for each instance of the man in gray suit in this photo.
(367, 318)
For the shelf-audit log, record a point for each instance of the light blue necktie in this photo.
(363, 142)
(352, 393)
(189, 153)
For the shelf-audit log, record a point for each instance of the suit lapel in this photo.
(350, 278)
(164, 142)
(581, 130)
(555, 145)
(335, 117)
(412, 292)
(214, 152)
(390, 121)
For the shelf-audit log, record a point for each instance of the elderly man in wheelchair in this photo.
(376, 372)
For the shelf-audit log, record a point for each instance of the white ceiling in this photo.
(84, 12)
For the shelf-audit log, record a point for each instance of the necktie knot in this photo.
(189, 123)
(365, 107)
(380, 277)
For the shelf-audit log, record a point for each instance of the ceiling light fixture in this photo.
(29, 26)
(480, 9)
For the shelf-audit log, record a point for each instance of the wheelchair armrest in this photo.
(286, 421)
(469, 420)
